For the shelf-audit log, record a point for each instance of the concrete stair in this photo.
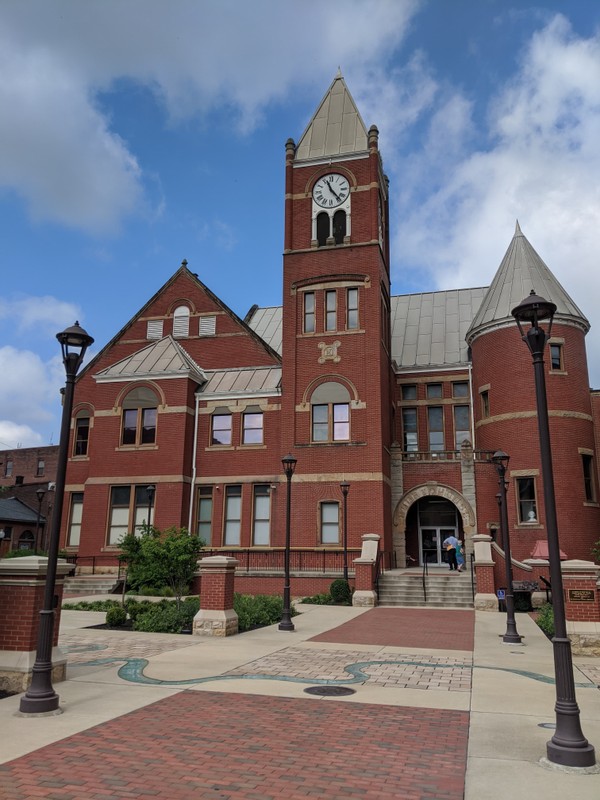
(445, 589)
(90, 584)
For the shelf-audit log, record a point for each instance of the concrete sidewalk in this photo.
(503, 694)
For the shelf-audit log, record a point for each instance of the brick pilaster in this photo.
(216, 616)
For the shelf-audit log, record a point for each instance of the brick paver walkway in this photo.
(443, 673)
(215, 746)
(407, 627)
(82, 648)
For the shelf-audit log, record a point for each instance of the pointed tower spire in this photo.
(522, 270)
(336, 128)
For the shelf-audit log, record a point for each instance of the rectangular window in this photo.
(434, 390)
(261, 522)
(139, 426)
(331, 422)
(526, 499)
(556, 358)
(41, 466)
(409, 391)
(233, 515)
(435, 419)
(154, 329)
(253, 428)
(205, 509)
(460, 389)
(221, 429)
(352, 309)
(75, 519)
(331, 310)
(82, 436)
(485, 404)
(330, 523)
(309, 312)
(8, 468)
(587, 462)
(118, 521)
(409, 430)
(461, 425)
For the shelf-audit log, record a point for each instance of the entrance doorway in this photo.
(437, 519)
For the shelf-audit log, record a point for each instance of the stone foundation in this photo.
(209, 622)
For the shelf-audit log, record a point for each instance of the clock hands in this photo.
(335, 194)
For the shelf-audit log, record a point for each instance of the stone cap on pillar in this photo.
(578, 567)
(218, 563)
(32, 565)
(370, 546)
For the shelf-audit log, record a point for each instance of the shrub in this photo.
(91, 605)
(164, 618)
(134, 608)
(545, 619)
(341, 592)
(116, 616)
(258, 610)
(319, 599)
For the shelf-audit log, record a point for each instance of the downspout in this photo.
(194, 453)
(472, 406)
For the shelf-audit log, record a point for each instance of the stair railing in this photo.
(472, 562)
(424, 579)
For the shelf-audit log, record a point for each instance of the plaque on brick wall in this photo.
(582, 596)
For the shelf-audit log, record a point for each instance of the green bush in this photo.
(116, 616)
(258, 610)
(164, 618)
(319, 599)
(341, 592)
(91, 605)
(134, 608)
(545, 619)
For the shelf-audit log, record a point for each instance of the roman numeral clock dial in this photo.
(331, 191)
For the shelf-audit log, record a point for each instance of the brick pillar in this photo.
(216, 616)
(22, 582)
(582, 605)
(485, 590)
(364, 572)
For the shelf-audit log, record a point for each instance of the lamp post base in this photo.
(512, 638)
(571, 756)
(286, 625)
(44, 704)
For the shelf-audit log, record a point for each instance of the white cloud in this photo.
(541, 165)
(58, 150)
(45, 316)
(29, 391)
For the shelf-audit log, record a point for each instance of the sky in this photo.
(137, 133)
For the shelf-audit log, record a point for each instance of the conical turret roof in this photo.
(522, 270)
(336, 127)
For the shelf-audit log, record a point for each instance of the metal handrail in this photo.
(472, 562)
(424, 579)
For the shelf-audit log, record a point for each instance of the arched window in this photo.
(330, 413)
(181, 322)
(339, 226)
(139, 417)
(323, 228)
(26, 541)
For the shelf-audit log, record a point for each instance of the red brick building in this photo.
(403, 397)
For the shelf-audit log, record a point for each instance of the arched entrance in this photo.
(424, 517)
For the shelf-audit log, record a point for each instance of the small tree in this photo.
(161, 558)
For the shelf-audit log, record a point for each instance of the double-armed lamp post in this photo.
(40, 697)
(289, 466)
(568, 747)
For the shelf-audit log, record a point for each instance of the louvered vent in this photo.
(155, 329)
(208, 326)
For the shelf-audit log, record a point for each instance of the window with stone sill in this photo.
(526, 500)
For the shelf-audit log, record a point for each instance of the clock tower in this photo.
(336, 382)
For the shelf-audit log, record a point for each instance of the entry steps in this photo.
(445, 589)
(90, 584)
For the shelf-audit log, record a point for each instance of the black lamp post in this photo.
(345, 487)
(150, 492)
(500, 461)
(40, 697)
(40, 496)
(568, 746)
(289, 465)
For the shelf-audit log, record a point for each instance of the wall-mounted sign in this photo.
(582, 596)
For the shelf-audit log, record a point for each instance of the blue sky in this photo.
(136, 133)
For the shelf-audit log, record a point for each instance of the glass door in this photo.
(432, 550)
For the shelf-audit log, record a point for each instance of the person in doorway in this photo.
(451, 543)
(460, 556)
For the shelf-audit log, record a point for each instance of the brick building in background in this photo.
(404, 397)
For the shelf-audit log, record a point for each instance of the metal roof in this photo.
(336, 127)
(164, 358)
(259, 381)
(427, 329)
(14, 510)
(520, 271)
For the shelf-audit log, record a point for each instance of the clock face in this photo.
(331, 191)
